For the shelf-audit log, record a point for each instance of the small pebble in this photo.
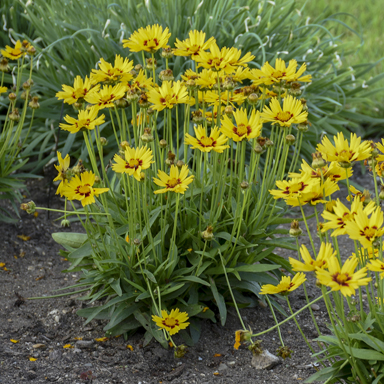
(315, 307)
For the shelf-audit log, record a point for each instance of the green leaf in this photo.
(70, 239)
(257, 268)
(220, 302)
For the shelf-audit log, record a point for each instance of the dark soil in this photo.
(34, 269)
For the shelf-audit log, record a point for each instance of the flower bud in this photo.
(25, 96)
(121, 103)
(247, 91)
(372, 162)
(151, 64)
(261, 141)
(366, 198)
(229, 85)
(124, 145)
(78, 106)
(132, 95)
(303, 127)
(295, 89)
(180, 351)
(197, 117)
(179, 164)
(29, 207)
(167, 52)
(284, 352)
(133, 73)
(295, 230)
(381, 194)
(137, 242)
(268, 143)
(65, 223)
(150, 111)
(14, 115)
(12, 96)
(142, 176)
(138, 68)
(79, 168)
(31, 50)
(253, 98)
(244, 185)
(170, 158)
(258, 149)
(318, 161)
(207, 234)
(228, 110)
(163, 143)
(166, 75)
(143, 101)
(191, 84)
(97, 179)
(103, 141)
(34, 103)
(4, 67)
(290, 139)
(345, 164)
(147, 136)
(304, 104)
(28, 84)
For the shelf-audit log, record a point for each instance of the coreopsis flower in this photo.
(310, 265)
(315, 194)
(379, 168)
(107, 72)
(149, 39)
(80, 89)
(3, 89)
(243, 128)
(207, 79)
(226, 98)
(177, 181)
(380, 146)
(14, 53)
(62, 168)
(193, 45)
(285, 286)
(168, 95)
(213, 142)
(343, 152)
(291, 113)
(367, 253)
(173, 322)
(106, 96)
(342, 215)
(268, 75)
(330, 172)
(343, 279)
(292, 189)
(86, 119)
(376, 266)
(140, 82)
(239, 75)
(234, 57)
(81, 188)
(355, 193)
(366, 229)
(134, 162)
(216, 59)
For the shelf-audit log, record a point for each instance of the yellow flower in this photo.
(136, 160)
(380, 146)
(343, 279)
(234, 57)
(285, 285)
(168, 95)
(379, 168)
(315, 194)
(238, 335)
(309, 265)
(377, 266)
(332, 172)
(81, 188)
(239, 75)
(268, 75)
(365, 229)
(205, 143)
(119, 72)
(342, 151)
(193, 45)
(62, 168)
(149, 39)
(291, 113)
(207, 79)
(3, 89)
(106, 96)
(216, 59)
(292, 189)
(342, 215)
(225, 98)
(140, 82)
(173, 322)
(80, 89)
(14, 53)
(355, 192)
(86, 119)
(243, 128)
(174, 182)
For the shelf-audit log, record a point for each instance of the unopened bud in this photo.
(143, 101)
(295, 89)
(207, 234)
(261, 141)
(4, 67)
(14, 115)
(121, 103)
(191, 84)
(247, 91)
(34, 103)
(103, 141)
(345, 164)
(258, 149)
(150, 111)
(28, 84)
(295, 230)
(167, 52)
(97, 179)
(65, 223)
(137, 242)
(290, 139)
(244, 185)
(151, 64)
(147, 136)
(170, 158)
(138, 67)
(12, 96)
(268, 143)
(78, 106)
(304, 104)
(124, 145)
(253, 98)
(132, 95)
(142, 176)
(228, 110)
(318, 161)
(180, 164)
(25, 95)
(381, 194)
(197, 117)
(366, 198)
(303, 127)
(133, 73)
(229, 85)
(29, 207)
(79, 168)
(163, 143)
(166, 75)
(31, 50)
